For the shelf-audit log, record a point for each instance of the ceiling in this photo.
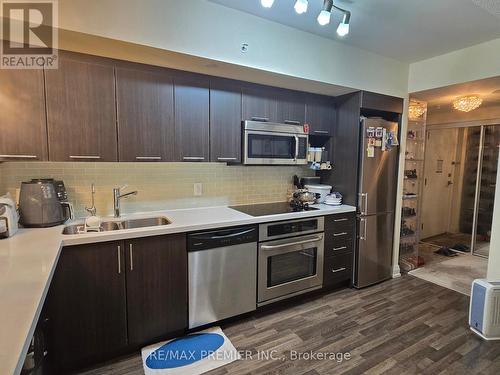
(401, 29)
(441, 99)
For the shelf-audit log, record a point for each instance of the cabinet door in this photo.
(320, 114)
(22, 121)
(291, 107)
(145, 107)
(81, 111)
(87, 304)
(156, 287)
(191, 117)
(225, 121)
(259, 103)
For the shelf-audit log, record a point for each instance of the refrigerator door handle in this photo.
(362, 223)
(363, 203)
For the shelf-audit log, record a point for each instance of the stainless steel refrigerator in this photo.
(376, 204)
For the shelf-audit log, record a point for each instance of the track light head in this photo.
(267, 3)
(326, 13)
(301, 6)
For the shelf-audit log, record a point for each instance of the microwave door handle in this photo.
(296, 148)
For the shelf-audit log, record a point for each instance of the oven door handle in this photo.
(272, 247)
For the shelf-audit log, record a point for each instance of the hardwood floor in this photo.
(402, 326)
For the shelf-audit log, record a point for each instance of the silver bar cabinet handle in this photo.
(131, 254)
(338, 270)
(339, 220)
(119, 250)
(321, 131)
(339, 248)
(226, 159)
(19, 156)
(148, 158)
(193, 158)
(93, 157)
(339, 234)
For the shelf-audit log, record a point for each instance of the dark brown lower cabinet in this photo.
(156, 287)
(87, 304)
(108, 298)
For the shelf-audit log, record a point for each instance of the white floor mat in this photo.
(456, 273)
(193, 354)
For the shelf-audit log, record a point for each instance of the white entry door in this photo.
(440, 153)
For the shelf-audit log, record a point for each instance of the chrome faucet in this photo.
(92, 210)
(117, 196)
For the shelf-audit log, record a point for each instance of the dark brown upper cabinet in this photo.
(291, 107)
(22, 119)
(320, 114)
(81, 113)
(191, 92)
(145, 108)
(380, 102)
(259, 103)
(87, 304)
(156, 287)
(225, 121)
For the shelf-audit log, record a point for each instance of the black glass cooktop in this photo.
(272, 208)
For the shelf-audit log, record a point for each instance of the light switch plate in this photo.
(198, 189)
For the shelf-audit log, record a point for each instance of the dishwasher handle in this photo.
(222, 238)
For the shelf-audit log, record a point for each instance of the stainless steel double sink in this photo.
(112, 225)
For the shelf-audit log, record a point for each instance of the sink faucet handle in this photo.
(92, 210)
(123, 187)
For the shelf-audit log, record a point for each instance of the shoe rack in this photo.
(412, 193)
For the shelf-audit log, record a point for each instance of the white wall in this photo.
(468, 64)
(494, 258)
(208, 30)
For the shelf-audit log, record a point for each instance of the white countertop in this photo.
(28, 260)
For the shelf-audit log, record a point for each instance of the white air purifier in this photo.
(484, 311)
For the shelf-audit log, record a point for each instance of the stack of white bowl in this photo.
(334, 199)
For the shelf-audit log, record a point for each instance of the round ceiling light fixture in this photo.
(467, 103)
(267, 3)
(416, 110)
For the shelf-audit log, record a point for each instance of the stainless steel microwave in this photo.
(268, 143)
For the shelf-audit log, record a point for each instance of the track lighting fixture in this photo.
(324, 16)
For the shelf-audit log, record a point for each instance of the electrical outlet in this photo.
(198, 189)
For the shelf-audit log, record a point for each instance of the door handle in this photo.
(362, 222)
(131, 255)
(363, 203)
(18, 157)
(148, 158)
(118, 251)
(226, 159)
(91, 157)
(194, 158)
(271, 247)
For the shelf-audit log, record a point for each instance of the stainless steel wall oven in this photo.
(290, 258)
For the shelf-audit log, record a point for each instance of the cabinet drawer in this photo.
(338, 246)
(337, 269)
(338, 226)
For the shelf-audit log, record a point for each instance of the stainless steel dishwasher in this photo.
(222, 274)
